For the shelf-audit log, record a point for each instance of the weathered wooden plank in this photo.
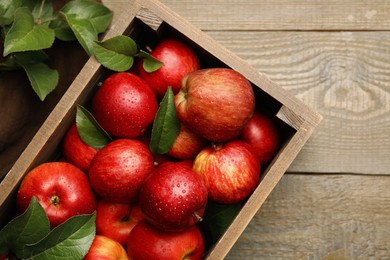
(280, 14)
(320, 217)
(344, 76)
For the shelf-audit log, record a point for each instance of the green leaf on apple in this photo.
(116, 53)
(89, 129)
(150, 63)
(166, 125)
(27, 228)
(25, 35)
(70, 240)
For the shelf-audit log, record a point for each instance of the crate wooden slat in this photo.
(157, 17)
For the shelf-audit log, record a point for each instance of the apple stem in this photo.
(55, 200)
(216, 146)
(199, 218)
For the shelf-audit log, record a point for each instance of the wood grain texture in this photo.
(320, 217)
(284, 14)
(344, 76)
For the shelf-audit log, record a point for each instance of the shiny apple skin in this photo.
(76, 151)
(124, 105)
(104, 248)
(264, 136)
(119, 169)
(179, 59)
(173, 197)
(116, 220)
(215, 103)
(230, 170)
(187, 144)
(61, 188)
(148, 242)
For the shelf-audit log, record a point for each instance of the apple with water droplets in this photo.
(173, 197)
(148, 242)
(118, 170)
(124, 105)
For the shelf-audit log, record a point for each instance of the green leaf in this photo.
(70, 240)
(98, 14)
(218, 217)
(29, 227)
(83, 30)
(117, 53)
(62, 30)
(166, 125)
(41, 10)
(13, 61)
(7, 10)
(43, 79)
(89, 129)
(30, 57)
(24, 35)
(150, 63)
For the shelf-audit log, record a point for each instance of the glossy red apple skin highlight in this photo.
(173, 197)
(61, 188)
(179, 59)
(215, 103)
(230, 170)
(118, 170)
(148, 242)
(124, 105)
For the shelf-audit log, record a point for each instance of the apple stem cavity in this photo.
(55, 200)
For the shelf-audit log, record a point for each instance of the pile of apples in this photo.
(148, 206)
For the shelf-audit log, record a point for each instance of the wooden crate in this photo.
(146, 21)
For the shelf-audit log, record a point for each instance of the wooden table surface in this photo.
(334, 201)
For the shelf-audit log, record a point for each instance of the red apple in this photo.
(187, 144)
(116, 220)
(119, 168)
(124, 105)
(104, 248)
(178, 58)
(147, 242)
(61, 188)
(216, 103)
(263, 135)
(173, 197)
(76, 151)
(230, 170)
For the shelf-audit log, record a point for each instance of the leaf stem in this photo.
(40, 11)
